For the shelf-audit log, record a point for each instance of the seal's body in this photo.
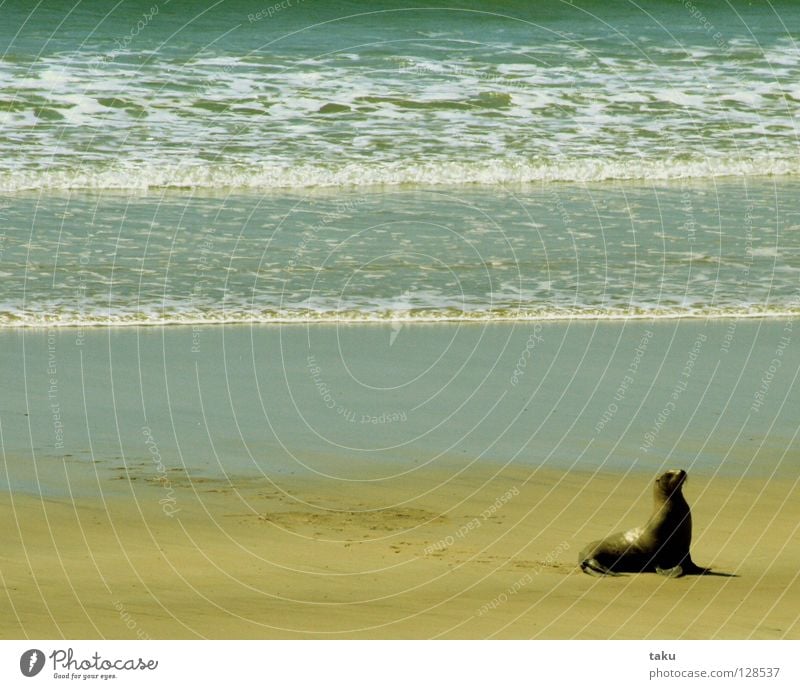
(662, 545)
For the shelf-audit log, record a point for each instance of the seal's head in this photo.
(670, 483)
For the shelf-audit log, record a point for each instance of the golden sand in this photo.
(486, 553)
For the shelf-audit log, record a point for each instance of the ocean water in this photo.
(184, 162)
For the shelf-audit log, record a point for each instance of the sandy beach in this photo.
(199, 484)
(252, 561)
(325, 320)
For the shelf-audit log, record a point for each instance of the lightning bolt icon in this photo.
(402, 304)
(397, 326)
(32, 660)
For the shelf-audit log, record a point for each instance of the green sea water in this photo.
(350, 175)
(181, 162)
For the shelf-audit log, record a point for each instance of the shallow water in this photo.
(613, 250)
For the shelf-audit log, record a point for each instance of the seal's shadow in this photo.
(711, 573)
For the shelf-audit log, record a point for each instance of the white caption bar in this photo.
(388, 664)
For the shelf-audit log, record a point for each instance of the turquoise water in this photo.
(392, 165)
(180, 162)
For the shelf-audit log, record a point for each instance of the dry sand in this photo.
(488, 553)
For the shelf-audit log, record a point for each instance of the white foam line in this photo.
(392, 174)
(385, 320)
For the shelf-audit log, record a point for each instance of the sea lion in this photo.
(662, 545)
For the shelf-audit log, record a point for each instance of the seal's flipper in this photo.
(593, 567)
(672, 572)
